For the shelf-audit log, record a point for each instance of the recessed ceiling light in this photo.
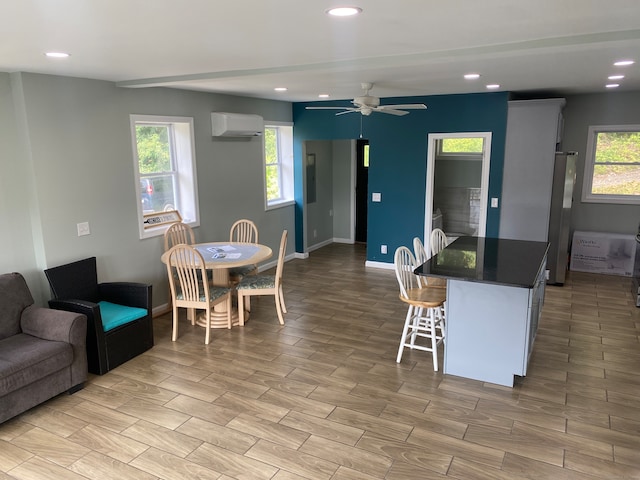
(323, 95)
(280, 89)
(344, 11)
(624, 63)
(472, 76)
(612, 85)
(493, 86)
(57, 54)
(615, 77)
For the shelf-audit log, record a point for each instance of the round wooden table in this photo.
(219, 257)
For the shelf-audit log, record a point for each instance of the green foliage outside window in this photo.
(462, 145)
(617, 164)
(154, 152)
(272, 165)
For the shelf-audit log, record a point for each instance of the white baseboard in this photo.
(384, 265)
(343, 240)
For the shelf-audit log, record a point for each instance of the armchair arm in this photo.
(54, 325)
(130, 294)
(61, 326)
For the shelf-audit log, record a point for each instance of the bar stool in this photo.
(425, 312)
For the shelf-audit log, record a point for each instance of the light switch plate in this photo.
(83, 229)
(376, 197)
(494, 202)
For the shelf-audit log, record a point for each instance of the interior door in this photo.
(362, 189)
(459, 181)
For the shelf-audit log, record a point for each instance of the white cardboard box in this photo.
(608, 253)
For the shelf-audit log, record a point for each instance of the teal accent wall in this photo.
(398, 158)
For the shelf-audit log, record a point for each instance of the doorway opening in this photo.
(457, 188)
(362, 190)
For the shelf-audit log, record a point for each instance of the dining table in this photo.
(219, 257)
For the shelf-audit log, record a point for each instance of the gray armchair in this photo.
(42, 351)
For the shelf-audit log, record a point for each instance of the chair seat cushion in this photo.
(214, 293)
(254, 282)
(25, 359)
(242, 271)
(114, 315)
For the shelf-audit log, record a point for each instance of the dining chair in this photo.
(178, 233)
(191, 289)
(243, 231)
(421, 257)
(424, 315)
(264, 285)
(438, 241)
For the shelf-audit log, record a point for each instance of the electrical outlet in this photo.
(83, 229)
(315, 233)
(331, 213)
(376, 197)
(383, 249)
(494, 202)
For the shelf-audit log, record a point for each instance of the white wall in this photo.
(76, 151)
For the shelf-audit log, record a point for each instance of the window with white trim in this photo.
(278, 164)
(165, 169)
(612, 165)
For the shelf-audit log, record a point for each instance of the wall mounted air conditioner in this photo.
(225, 124)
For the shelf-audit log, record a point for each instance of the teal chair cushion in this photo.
(114, 315)
(253, 282)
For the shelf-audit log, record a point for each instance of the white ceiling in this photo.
(405, 47)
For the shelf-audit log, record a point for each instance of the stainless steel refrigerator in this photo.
(564, 179)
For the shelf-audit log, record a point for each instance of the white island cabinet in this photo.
(495, 292)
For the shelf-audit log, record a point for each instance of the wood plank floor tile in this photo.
(525, 467)
(53, 421)
(201, 409)
(162, 438)
(351, 457)
(158, 414)
(421, 456)
(308, 466)
(165, 465)
(50, 446)
(12, 455)
(38, 468)
(274, 432)
(231, 464)
(109, 443)
(322, 427)
(217, 435)
(585, 464)
(97, 466)
(371, 423)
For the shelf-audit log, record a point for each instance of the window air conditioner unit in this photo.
(236, 125)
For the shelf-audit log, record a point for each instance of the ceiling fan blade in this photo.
(348, 110)
(408, 106)
(328, 108)
(398, 113)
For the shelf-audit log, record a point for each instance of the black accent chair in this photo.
(75, 288)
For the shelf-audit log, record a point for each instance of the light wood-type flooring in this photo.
(323, 398)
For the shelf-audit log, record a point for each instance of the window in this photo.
(164, 165)
(458, 146)
(278, 164)
(612, 165)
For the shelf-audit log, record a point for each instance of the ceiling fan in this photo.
(367, 104)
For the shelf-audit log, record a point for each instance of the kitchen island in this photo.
(495, 292)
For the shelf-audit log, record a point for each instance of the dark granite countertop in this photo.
(488, 260)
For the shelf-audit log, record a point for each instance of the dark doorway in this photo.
(362, 189)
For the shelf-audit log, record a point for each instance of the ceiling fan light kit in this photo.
(367, 104)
